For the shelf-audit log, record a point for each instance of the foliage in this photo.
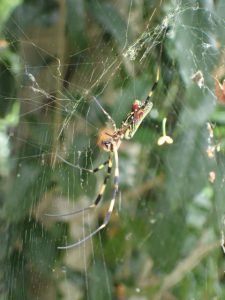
(163, 239)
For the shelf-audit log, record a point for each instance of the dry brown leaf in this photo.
(3, 44)
(220, 90)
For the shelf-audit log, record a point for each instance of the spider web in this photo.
(164, 234)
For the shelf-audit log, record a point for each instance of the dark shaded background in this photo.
(163, 241)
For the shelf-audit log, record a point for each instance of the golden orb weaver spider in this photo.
(109, 139)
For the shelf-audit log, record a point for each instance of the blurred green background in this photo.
(163, 240)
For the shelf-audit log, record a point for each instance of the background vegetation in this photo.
(163, 241)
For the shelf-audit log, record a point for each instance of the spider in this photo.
(109, 140)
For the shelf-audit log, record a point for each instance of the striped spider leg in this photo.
(112, 202)
(101, 192)
(109, 140)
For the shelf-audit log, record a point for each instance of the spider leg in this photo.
(100, 167)
(153, 87)
(157, 74)
(107, 114)
(99, 196)
(111, 206)
(95, 170)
